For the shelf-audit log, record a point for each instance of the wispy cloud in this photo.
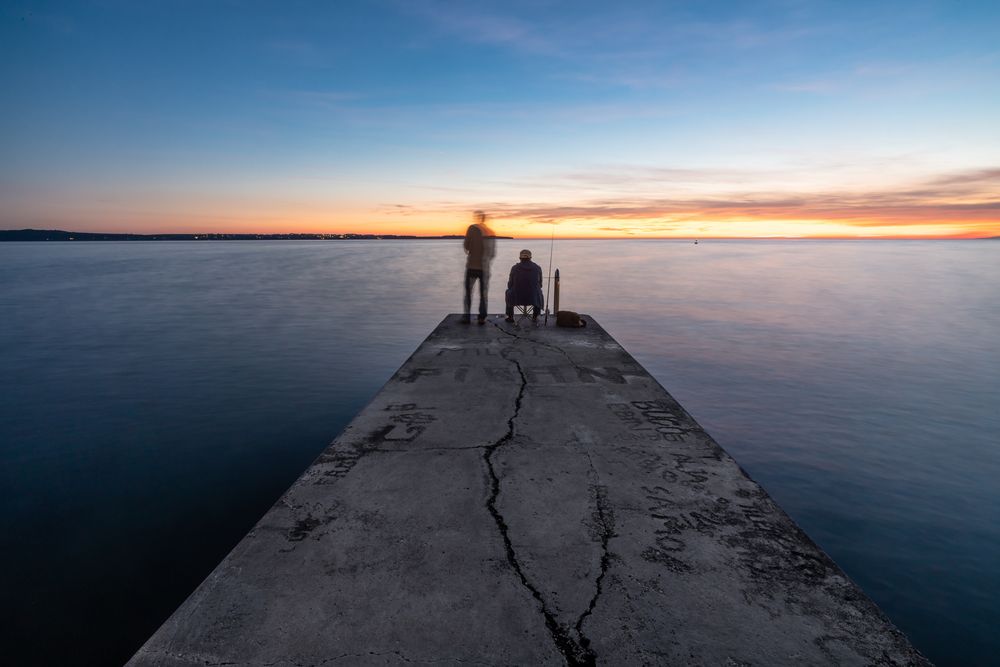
(815, 86)
(745, 34)
(481, 26)
(669, 79)
(398, 209)
(886, 79)
(624, 43)
(300, 52)
(971, 197)
(972, 179)
(321, 98)
(445, 120)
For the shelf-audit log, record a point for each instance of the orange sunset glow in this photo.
(958, 205)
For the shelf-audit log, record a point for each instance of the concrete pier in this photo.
(526, 496)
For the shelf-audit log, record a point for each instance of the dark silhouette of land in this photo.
(60, 235)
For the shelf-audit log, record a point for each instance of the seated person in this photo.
(524, 287)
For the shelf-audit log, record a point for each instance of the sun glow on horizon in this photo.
(590, 228)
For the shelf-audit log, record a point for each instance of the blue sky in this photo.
(643, 118)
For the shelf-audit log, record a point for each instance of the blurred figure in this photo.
(479, 248)
(524, 286)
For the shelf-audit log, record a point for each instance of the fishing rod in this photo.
(552, 247)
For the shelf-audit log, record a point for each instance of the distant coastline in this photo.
(60, 235)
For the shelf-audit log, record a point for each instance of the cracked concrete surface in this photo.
(525, 496)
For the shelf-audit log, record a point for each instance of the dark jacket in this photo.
(479, 247)
(524, 287)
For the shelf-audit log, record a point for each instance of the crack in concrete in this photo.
(335, 658)
(346, 656)
(606, 520)
(574, 652)
(429, 449)
(605, 515)
(542, 344)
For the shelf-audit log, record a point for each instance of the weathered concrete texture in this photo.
(526, 496)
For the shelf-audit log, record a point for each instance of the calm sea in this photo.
(158, 397)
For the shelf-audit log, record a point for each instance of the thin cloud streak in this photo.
(483, 27)
(966, 198)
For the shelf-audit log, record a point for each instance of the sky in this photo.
(583, 119)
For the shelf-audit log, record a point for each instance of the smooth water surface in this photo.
(158, 397)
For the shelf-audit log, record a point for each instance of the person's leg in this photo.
(483, 291)
(467, 303)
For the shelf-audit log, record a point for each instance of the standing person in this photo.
(479, 248)
(524, 286)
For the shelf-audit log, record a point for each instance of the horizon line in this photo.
(404, 236)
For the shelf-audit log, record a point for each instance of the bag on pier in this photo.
(567, 318)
